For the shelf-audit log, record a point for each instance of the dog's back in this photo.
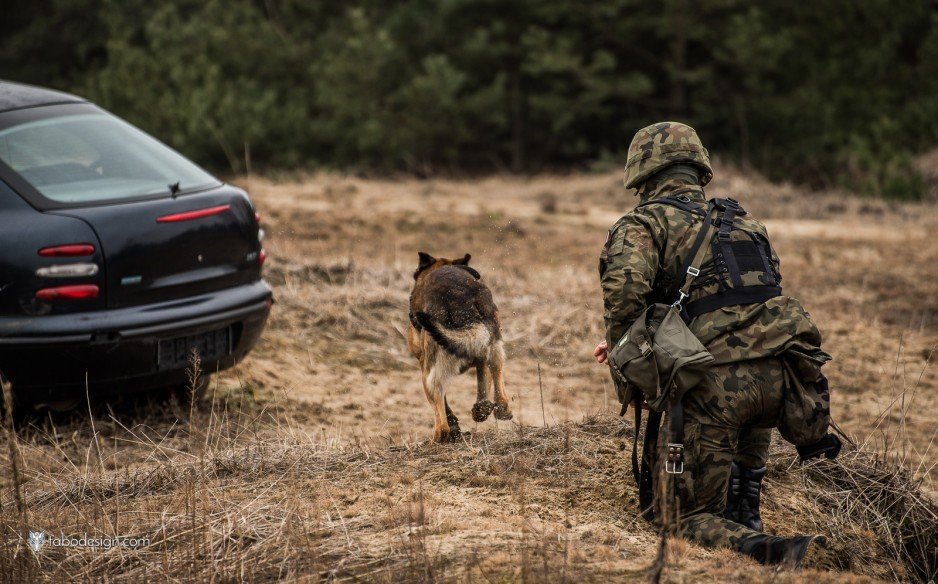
(457, 298)
(457, 310)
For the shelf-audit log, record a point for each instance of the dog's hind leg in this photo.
(434, 386)
(483, 407)
(438, 425)
(496, 366)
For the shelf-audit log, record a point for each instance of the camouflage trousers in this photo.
(728, 417)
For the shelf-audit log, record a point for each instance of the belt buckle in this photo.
(675, 461)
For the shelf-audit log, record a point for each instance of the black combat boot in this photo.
(742, 500)
(772, 549)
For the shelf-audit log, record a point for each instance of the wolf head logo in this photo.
(37, 539)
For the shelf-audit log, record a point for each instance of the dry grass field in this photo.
(310, 461)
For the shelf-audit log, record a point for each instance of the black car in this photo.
(118, 256)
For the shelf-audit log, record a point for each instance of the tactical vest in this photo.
(741, 264)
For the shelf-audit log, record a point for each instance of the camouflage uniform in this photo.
(758, 347)
(728, 418)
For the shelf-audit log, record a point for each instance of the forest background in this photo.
(835, 93)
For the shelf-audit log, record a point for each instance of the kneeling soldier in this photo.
(765, 371)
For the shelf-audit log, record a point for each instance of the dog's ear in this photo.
(464, 261)
(426, 260)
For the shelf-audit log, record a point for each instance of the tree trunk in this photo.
(743, 123)
(517, 120)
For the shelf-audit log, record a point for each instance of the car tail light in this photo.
(70, 250)
(78, 292)
(257, 217)
(261, 257)
(67, 271)
(190, 215)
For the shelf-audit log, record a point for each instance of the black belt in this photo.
(732, 297)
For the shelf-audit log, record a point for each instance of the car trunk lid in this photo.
(174, 248)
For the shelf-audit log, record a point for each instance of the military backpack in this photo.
(741, 267)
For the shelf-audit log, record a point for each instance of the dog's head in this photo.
(428, 263)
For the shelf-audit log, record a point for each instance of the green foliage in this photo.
(835, 92)
(209, 89)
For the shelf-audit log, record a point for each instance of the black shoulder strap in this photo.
(682, 202)
(723, 204)
(644, 477)
(730, 209)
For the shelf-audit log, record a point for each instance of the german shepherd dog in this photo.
(453, 327)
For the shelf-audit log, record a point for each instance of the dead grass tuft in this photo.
(874, 500)
(263, 503)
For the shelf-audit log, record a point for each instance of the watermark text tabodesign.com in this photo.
(41, 539)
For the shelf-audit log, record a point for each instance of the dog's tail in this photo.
(470, 342)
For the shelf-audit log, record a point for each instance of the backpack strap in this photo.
(730, 210)
(722, 204)
(691, 267)
(740, 293)
(643, 476)
(681, 201)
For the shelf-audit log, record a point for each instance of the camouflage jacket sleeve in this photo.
(627, 268)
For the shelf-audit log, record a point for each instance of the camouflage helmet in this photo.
(660, 145)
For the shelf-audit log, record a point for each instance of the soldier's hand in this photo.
(601, 352)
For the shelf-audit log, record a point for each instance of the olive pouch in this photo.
(660, 356)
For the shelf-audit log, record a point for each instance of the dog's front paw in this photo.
(503, 412)
(481, 410)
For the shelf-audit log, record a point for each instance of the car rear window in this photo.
(94, 157)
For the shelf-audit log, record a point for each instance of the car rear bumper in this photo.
(117, 350)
